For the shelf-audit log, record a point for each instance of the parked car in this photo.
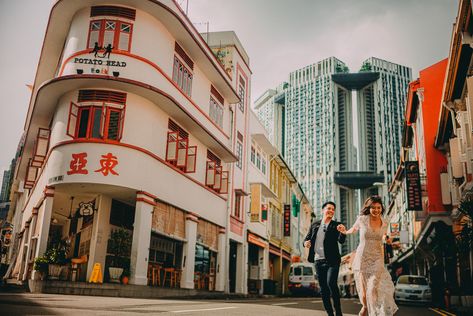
(412, 288)
(303, 279)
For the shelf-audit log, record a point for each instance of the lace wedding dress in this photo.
(371, 277)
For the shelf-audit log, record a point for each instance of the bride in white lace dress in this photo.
(373, 282)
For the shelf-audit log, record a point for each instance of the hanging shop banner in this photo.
(287, 220)
(414, 191)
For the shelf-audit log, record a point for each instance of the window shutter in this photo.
(108, 10)
(120, 126)
(94, 33)
(191, 159)
(216, 94)
(113, 124)
(210, 174)
(218, 178)
(183, 144)
(109, 33)
(72, 121)
(103, 120)
(31, 174)
(171, 148)
(124, 37)
(41, 147)
(224, 186)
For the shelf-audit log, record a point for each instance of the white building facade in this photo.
(133, 116)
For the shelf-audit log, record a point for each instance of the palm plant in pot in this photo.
(120, 248)
(56, 255)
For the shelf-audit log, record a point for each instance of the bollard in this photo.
(447, 298)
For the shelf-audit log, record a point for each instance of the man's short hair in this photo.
(327, 203)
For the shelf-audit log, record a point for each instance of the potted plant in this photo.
(125, 276)
(120, 247)
(56, 257)
(41, 265)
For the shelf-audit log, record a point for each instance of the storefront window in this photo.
(165, 251)
(204, 269)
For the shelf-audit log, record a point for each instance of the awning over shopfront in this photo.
(256, 240)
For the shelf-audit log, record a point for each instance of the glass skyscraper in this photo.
(340, 132)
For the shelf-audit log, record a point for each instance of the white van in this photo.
(303, 279)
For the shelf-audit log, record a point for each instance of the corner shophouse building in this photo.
(146, 131)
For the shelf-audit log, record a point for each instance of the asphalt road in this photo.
(50, 304)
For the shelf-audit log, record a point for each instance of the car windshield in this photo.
(405, 279)
(308, 271)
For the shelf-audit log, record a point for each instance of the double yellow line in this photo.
(442, 312)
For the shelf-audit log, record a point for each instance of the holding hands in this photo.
(307, 243)
(342, 229)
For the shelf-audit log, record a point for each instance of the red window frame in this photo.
(171, 146)
(238, 203)
(191, 159)
(224, 188)
(182, 150)
(117, 32)
(218, 179)
(210, 173)
(41, 147)
(31, 175)
(75, 115)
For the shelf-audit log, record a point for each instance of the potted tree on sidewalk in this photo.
(120, 248)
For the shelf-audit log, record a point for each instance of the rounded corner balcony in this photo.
(98, 151)
(151, 42)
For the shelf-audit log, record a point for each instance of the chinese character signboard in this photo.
(78, 164)
(414, 192)
(287, 220)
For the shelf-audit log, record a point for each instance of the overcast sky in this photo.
(278, 35)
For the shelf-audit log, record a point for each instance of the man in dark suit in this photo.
(322, 241)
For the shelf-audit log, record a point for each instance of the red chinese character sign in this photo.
(78, 164)
(108, 162)
(287, 220)
(414, 192)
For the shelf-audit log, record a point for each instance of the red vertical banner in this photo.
(287, 220)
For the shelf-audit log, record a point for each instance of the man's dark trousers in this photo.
(328, 277)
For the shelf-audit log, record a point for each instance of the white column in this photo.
(220, 282)
(100, 234)
(262, 262)
(26, 250)
(141, 239)
(187, 279)
(241, 285)
(44, 212)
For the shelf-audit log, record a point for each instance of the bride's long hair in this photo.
(369, 201)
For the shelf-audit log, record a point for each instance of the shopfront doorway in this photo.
(233, 266)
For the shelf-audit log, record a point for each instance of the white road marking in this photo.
(204, 309)
(316, 301)
(282, 304)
